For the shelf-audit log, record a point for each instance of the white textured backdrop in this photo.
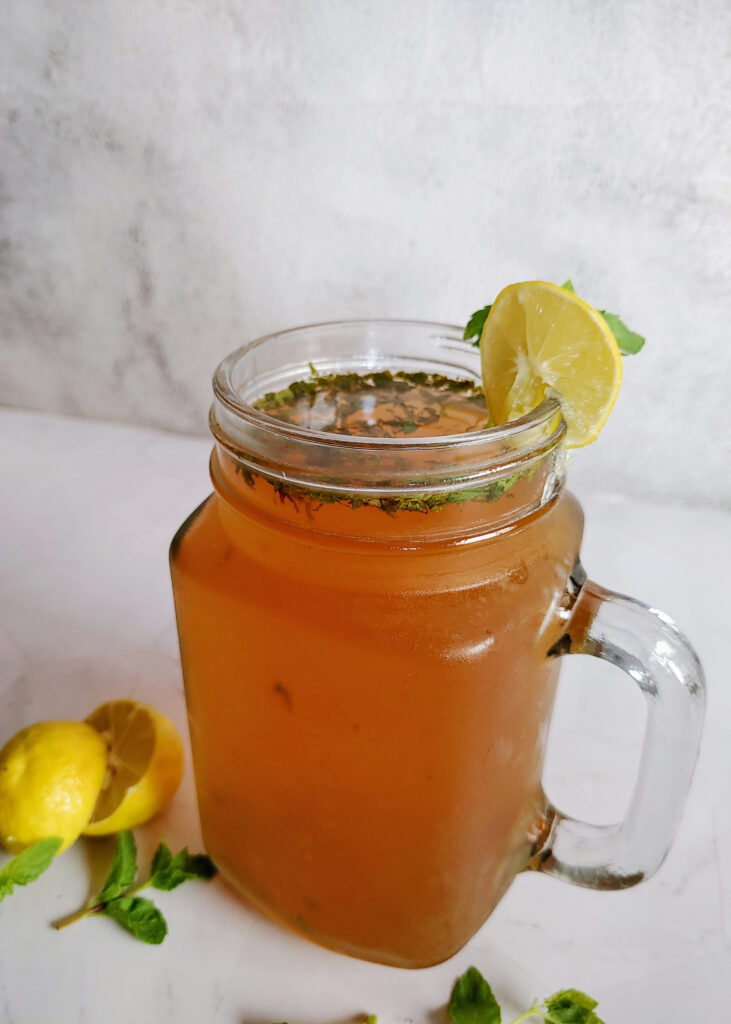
(179, 177)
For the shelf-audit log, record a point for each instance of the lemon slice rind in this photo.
(542, 341)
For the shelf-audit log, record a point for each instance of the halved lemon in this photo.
(540, 340)
(144, 765)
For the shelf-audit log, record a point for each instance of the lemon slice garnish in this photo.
(542, 341)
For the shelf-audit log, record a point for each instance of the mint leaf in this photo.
(31, 863)
(161, 862)
(168, 872)
(570, 1006)
(472, 1001)
(574, 995)
(140, 917)
(475, 324)
(123, 870)
(629, 341)
(28, 865)
(199, 865)
(118, 899)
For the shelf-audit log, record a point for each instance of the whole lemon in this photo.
(50, 777)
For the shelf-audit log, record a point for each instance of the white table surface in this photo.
(86, 614)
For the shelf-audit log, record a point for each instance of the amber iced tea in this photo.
(369, 703)
(371, 609)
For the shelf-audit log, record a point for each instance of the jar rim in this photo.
(227, 394)
(521, 459)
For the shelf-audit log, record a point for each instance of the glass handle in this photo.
(649, 648)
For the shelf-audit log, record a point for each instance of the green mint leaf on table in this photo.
(123, 870)
(568, 287)
(472, 1001)
(475, 324)
(629, 341)
(168, 871)
(118, 898)
(28, 865)
(570, 1007)
(140, 917)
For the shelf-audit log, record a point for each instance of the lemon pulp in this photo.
(144, 765)
(542, 341)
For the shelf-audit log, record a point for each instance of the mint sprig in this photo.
(570, 1007)
(629, 342)
(475, 324)
(140, 917)
(123, 870)
(168, 871)
(473, 1002)
(118, 897)
(28, 865)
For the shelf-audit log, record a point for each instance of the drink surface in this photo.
(368, 716)
(381, 404)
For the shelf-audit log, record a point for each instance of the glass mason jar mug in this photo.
(371, 630)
